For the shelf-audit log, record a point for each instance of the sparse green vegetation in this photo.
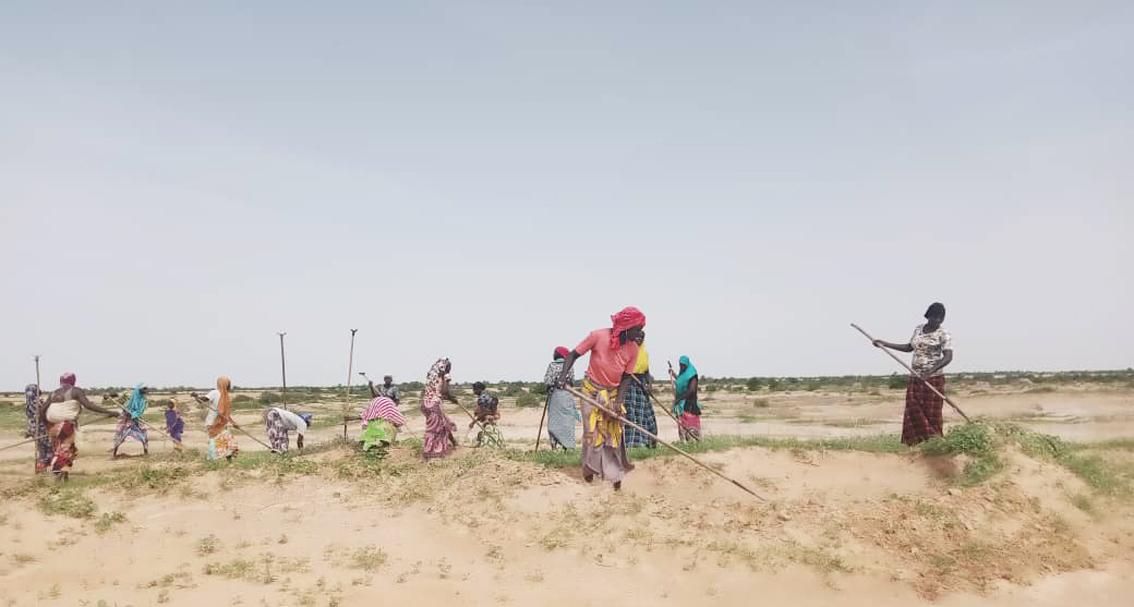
(67, 501)
(207, 545)
(527, 399)
(108, 520)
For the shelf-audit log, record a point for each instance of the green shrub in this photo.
(267, 398)
(527, 399)
(897, 382)
(753, 384)
(540, 389)
(241, 398)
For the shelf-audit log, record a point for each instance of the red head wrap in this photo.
(628, 318)
(562, 351)
(67, 379)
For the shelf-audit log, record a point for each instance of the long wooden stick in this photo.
(656, 402)
(539, 433)
(471, 416)
(912, 373)
(654, 436)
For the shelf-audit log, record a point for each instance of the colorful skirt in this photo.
(379, 433)
(922, 419)
(639, 411)
(277, 432)
(561, 419)
(63, 449)
(222, 445)
(604, 450)
(689, 426)
(439, 439)
(175, 426)
(130, 428)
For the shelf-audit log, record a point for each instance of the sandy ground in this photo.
(842, 528)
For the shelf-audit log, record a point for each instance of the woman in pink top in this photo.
(614, 354)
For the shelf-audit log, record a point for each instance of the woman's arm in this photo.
(568, 364)
(945, 360)
(690, 390)
(79, 395)
(446, 393)
(906, 347)
(624, 388)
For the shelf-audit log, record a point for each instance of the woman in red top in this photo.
(614, 354)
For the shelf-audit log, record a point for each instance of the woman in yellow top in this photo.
(638, 409)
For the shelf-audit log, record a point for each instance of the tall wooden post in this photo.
(349, 374)
(283, 370)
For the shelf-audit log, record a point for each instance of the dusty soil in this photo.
(838, 527)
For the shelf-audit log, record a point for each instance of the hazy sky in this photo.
(489, 180)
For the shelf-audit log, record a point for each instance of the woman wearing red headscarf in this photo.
(614, 354)
(60, 412)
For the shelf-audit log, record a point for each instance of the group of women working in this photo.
(613, 398)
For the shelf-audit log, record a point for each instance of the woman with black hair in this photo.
(932, 348)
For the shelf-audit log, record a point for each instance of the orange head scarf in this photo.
(224, 407)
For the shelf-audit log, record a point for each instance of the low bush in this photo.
(527, 399)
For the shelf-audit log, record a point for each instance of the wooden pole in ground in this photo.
(283, 371)
(37, 384)
(349, 374)
(912, 373)
(660, 441)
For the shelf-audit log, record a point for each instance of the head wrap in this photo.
(306, 417)
(562, 352)
(935, 309)
(67, 379)
(627, 318)
(136, 406)
(224, 407)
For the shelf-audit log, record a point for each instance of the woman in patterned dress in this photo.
(932, 348)
(439, 438)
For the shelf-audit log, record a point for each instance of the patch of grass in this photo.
(1099, 474)
(977, 441)
(108, 520)
(207, 545)
(21, 559)
(761, 403)
(67, 501)
(1083, 502)
(527, 399)
(368, 558)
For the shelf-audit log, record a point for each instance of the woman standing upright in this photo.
(614, 356)
(560, 403)
(439, 439)
(37, 428)
(932, 348)
(221, 441)
(685, 406)
(60, 413)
